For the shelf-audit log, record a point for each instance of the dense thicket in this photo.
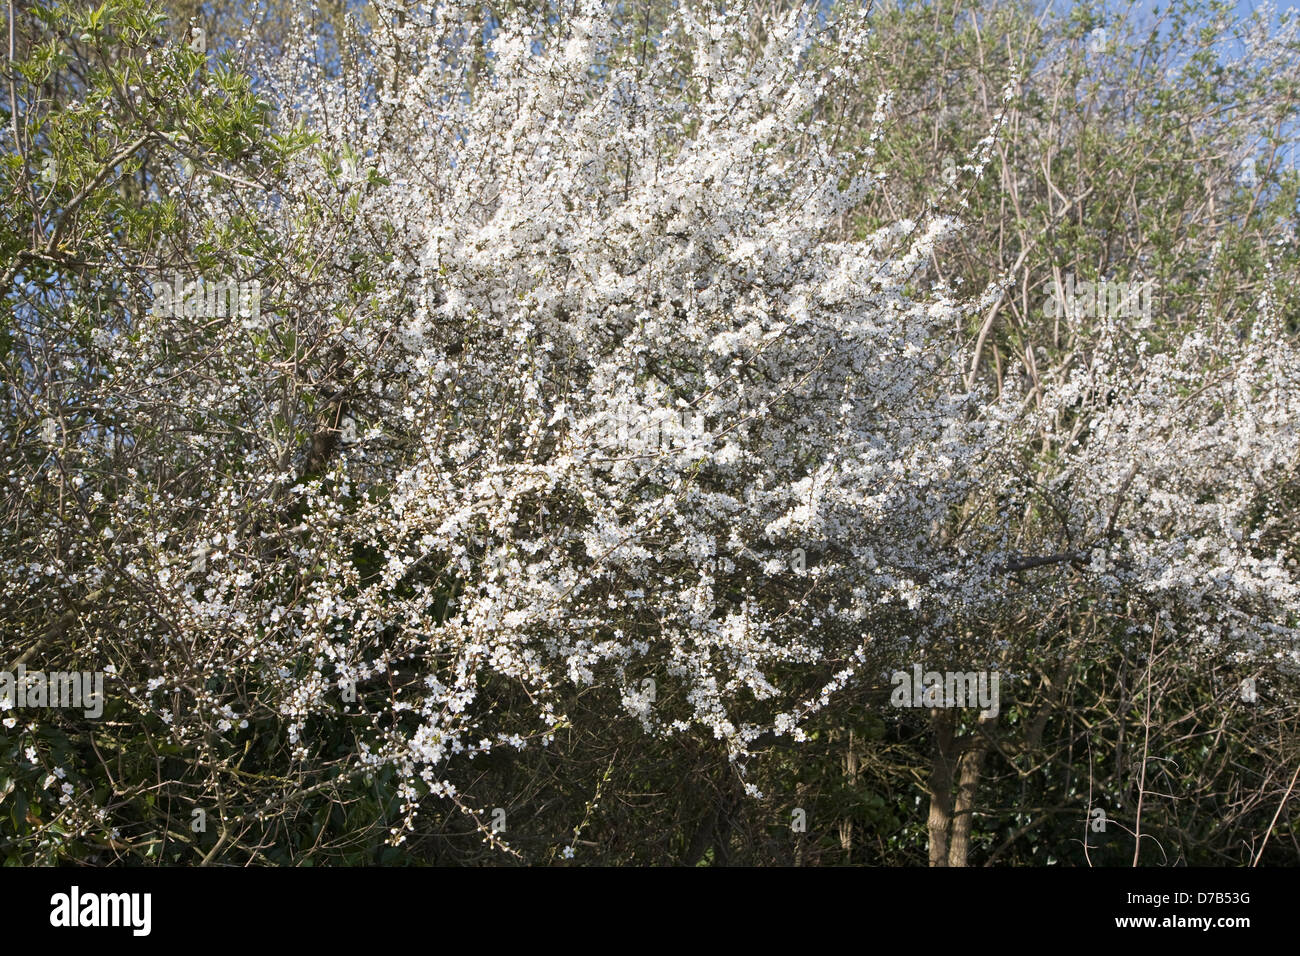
(562, 423)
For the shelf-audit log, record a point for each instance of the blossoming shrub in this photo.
(565, 377)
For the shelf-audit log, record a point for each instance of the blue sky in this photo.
(1248, 6)
(1243, 7)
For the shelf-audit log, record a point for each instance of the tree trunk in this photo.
(940, 820)
(846, 824)
(969, 766)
